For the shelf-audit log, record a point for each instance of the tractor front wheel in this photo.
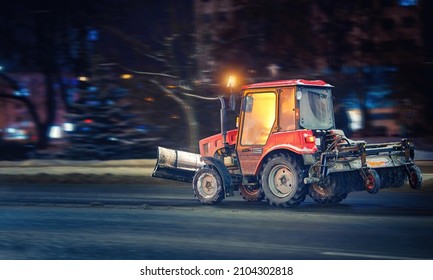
(207, 185)
(281, 180)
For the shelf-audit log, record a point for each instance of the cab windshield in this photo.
(315, 108)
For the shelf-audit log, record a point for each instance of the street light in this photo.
(126, 76)
(231, 83)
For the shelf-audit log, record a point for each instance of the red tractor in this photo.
(286, 147)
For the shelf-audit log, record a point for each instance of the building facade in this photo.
(16, 123)
(359, 44)
(381, 32)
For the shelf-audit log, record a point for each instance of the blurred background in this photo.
(113, 79)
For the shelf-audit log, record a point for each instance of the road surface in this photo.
(164, 221)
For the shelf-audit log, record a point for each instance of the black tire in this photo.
(251, 193)
(207, 185)
(329, 194)
(290, 191)
(372, 182)
(415, 177)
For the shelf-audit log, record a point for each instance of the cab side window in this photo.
(287, 110)
(259, 118)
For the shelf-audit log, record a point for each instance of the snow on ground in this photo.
(141, 167)
(76, 172)
(136, 171)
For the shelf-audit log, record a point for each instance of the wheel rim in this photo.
(413, 178)
(281, 181)
(320, 190)
(370, 183)
(251, 190)
(207, 185)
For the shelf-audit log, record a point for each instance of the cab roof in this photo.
(287, 83)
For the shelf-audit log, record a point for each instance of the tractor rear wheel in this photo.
(207, 185)
(281, 180)
(252, 193)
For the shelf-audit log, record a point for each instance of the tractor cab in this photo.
(287, 106)
(284, 114)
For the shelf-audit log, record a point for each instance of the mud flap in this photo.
(224, 173)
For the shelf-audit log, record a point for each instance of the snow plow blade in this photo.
(176, 165)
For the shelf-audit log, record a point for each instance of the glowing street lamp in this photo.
(126, 76)
(231, 83)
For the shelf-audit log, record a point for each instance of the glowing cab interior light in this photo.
(83, 78)
(310, 139)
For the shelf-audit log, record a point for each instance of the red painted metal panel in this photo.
(293, 141)
(209, 145)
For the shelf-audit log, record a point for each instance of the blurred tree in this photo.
(368, 49)
(103, 126)
(14, 87)
(58, 39)
(359, 46)
(47, 37)
(265, 32)
(167, 67)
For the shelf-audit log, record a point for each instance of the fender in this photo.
(224, 173)
(287, 147)
(293, 141)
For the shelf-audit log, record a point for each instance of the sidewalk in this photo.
(141, 167)
(79, 172)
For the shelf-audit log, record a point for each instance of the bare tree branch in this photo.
(189, 114)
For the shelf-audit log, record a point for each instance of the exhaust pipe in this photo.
(176, 165)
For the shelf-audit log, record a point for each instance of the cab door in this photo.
(258, 119)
